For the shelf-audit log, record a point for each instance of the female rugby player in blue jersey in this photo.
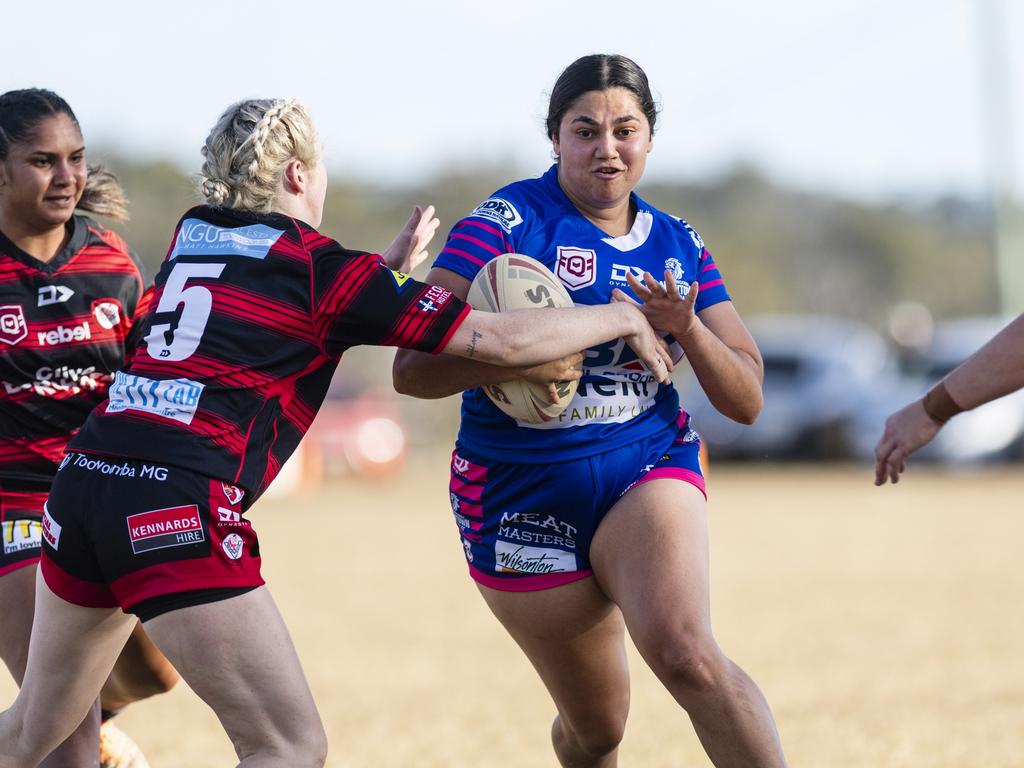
(252, 310)
(595, 523)
(70, 293)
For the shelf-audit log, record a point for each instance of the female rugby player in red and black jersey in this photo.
(251, 313)
(70, 294)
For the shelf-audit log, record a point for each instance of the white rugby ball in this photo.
(514, 281)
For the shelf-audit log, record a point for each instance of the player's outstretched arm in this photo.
(419, 374)
(531, 336)
(721, 352)
(995, 370)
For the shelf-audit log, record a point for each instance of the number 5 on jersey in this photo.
(196, 302)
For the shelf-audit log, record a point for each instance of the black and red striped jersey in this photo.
(65, 326)
(250, 316)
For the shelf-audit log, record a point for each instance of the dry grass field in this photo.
(884, 625)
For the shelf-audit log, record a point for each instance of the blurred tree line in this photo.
(780, 250)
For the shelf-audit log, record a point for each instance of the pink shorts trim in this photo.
(676, 473)
(74, 590)
(528, 583)
(20, 564)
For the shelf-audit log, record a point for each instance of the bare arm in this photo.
(995, 370)
(430, 376)
(721, 351)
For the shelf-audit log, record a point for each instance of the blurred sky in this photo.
(871, 98)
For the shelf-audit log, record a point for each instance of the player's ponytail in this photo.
(104, 195)
(248, 149)
(22, 111)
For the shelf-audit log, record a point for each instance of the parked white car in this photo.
(817, 372)
(992, 432)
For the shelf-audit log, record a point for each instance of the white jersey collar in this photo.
(636, 236)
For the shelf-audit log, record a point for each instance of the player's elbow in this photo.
(404, 376)
(747, 412)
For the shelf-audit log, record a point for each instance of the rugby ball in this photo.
(513, 281)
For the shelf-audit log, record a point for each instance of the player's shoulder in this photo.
(520, 202)
(685, 234)
(96, 237)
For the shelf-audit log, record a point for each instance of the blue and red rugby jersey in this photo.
(65, 326)
(617, 401)
(251, 314)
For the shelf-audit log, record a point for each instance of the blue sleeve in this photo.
(710, 282)
(489, 231)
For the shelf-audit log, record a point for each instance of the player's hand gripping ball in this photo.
(513, 281)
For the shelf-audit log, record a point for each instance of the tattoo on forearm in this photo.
(471, 347)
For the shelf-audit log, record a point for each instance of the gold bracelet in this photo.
(939, 405)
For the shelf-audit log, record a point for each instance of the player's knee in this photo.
(310, 746)
(302, 743)
(685, 662)
(596, 735)
(162, 678)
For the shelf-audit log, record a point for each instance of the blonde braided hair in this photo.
(248, 149)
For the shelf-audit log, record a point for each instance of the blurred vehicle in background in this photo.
(817, 370)
(994, 431)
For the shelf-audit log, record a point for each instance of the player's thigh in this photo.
(650, 555)
(70, 655)
(17, 598)
(238, 656)
(574, 637)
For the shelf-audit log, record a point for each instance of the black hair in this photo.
(21, 111)
(599, 72)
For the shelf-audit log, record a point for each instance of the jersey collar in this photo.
(79, 236)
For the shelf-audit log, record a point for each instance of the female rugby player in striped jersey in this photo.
(251, 312)
(595, 522)
(70, 294)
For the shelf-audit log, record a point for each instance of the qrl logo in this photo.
(577, 267)
(13, 327)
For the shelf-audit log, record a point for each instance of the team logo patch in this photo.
(54, 294)
(577, 267)
(460, 464)
(675, 267)
(13, 327)
(107, 313)
(502, 212)
(51, 529)
(162, 528)
(19, 535)
(200, 238)
(232, 493)
(232, 545)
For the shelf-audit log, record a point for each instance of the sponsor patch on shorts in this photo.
(19, 535)
(161, 528)
(516, 558)
(51, 529)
